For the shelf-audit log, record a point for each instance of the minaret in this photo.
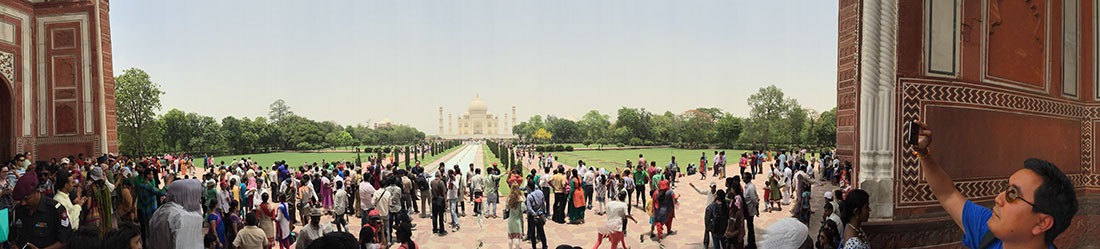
(505, 130)
(513, 115)
(450, 125)
(440, 120)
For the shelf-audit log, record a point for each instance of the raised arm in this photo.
(941, 184)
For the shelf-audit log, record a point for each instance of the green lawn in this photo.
(292, 158)
(296, 159)
(609, 159)
(591, 145)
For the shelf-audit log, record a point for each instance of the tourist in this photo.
(714, 221)
(366, 197)
(641, 178)
(544, 183)
(251, 236)
(589, 179)
(267, 215)
(64, 185)
(340, 205)
(178, 223)
(722, 165)
(438, 196)
(628, 183)
(394, 214)
(32, 208)
(616, 221)
(559, 182)
(772, 191)
(735, 224)
(827, 236)
(856, 211)
(425, 194)
(536, 208)
(829, 214)
(312, 231)
(514, 210)
(216, 226)
(575, 199)
(1038, 204)
(492, 194)
(370, 237)
(703, 167)
(477, 188)
(794, 235)
(101, 206)
(326, 191)
(404, 236)
(126, 236)
(665, 208)
(752, 210)
(673, 170)
(461, 186)
(452, 199)
(601, 193)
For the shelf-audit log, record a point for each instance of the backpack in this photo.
(422, 183)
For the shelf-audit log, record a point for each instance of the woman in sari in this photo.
(576, 199)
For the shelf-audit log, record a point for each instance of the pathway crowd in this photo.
(179, 201)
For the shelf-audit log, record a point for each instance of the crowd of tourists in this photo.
(168, 201)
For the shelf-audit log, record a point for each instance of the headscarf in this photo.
(187, 193)
(785, 233)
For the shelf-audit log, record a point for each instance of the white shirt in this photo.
(72, 210)
(616, 211)
(340, 202)
(173, 227)
(366, 192)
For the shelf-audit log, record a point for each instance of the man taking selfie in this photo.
(1036, 206)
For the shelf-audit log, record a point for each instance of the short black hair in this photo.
(250, 219)
(335, 240)
(1054, 197)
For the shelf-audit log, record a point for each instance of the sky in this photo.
(360, 61)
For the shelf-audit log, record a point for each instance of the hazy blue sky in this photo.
(359, 61)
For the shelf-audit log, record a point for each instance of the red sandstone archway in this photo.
(7, 126)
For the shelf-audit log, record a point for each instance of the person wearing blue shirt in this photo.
(1036, 205)
(536, 219)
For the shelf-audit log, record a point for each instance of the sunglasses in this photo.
(1012, 193)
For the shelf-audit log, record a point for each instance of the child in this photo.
(601, 194)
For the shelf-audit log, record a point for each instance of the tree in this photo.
(696, 127)
(638, 120)
(137, 99)
(593, 125)
(279, 111)
(768, 109)
(729, 130)
(564, 130)
(339, 138)
(542, 134)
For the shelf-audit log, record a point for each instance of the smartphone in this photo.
(913, 134)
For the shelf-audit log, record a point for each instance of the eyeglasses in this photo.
(1012, 193)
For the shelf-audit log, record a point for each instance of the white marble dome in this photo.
(477, 106)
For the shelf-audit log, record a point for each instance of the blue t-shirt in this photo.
(974, 218)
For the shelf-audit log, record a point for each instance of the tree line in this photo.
(775, 122)
(142, 132)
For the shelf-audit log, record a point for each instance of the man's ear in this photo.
(1044, 224)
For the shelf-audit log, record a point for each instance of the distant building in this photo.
(385, 123)
(477, 122)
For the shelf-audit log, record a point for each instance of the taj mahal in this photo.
(477, 122)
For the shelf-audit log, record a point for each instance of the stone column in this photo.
(878, 125)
